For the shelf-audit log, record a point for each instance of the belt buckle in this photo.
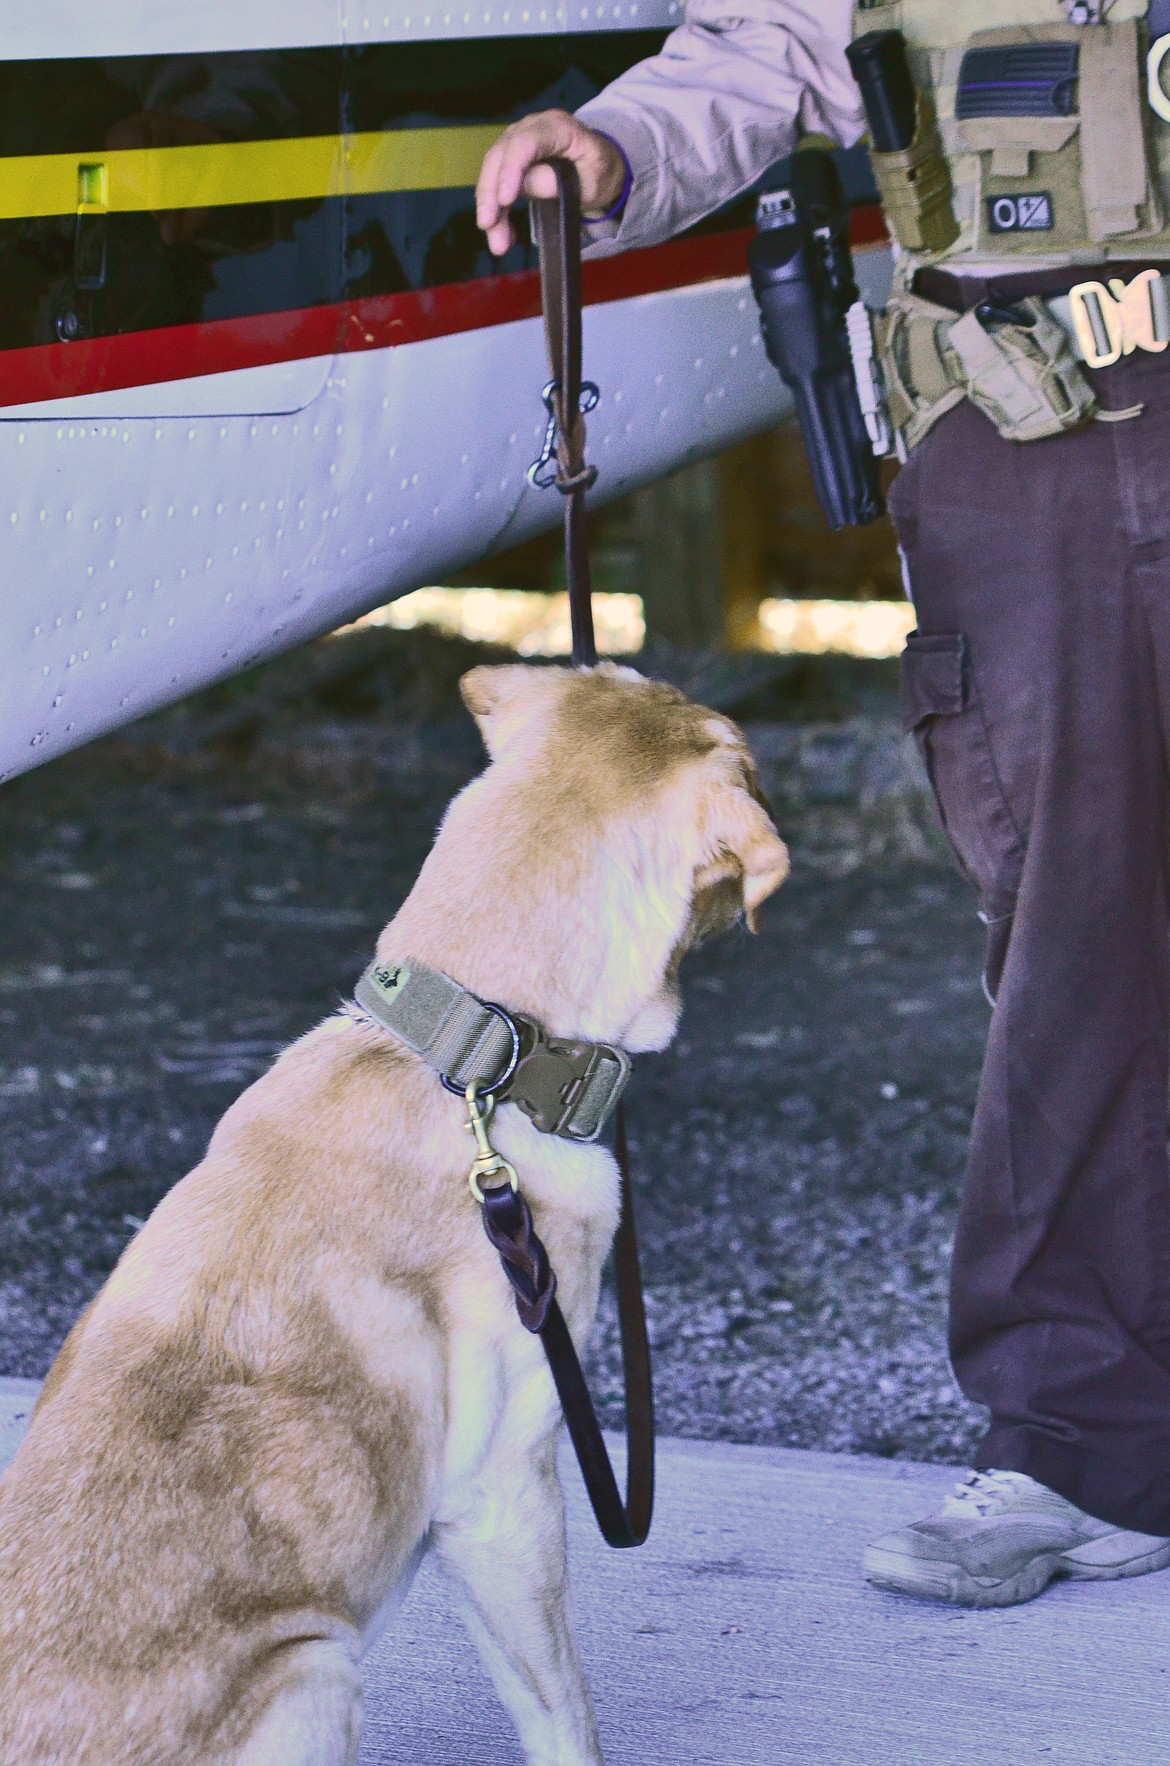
(1114, 320)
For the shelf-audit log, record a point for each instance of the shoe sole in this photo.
(951, 1584)
(1078, 1568)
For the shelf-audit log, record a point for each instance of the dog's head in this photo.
(641, 811)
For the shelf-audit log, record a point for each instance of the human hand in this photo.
(514, 167)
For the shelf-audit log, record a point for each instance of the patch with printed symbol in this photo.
(1030, 213)
(391, 978)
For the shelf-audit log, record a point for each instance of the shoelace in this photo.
(986, 1492)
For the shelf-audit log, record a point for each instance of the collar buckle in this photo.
(567, 1087)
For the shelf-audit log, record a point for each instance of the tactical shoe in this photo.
(1000, 1538)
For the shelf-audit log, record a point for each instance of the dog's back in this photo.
(192, 1509)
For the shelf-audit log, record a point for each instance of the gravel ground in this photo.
(183, 899)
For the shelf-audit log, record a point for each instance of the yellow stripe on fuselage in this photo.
(306, 167)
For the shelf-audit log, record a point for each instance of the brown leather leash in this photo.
(567, 398)
(506, 1216)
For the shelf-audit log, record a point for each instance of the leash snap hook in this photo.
(487, 1162)
(542, 474)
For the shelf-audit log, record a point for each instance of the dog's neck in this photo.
(556, 927)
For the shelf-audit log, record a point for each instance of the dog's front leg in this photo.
(506, 1554)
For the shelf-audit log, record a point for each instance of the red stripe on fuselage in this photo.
(179, 352)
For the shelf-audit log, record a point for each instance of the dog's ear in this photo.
(745, 845)
(503, 697)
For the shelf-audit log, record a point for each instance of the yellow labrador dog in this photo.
(307, 1367)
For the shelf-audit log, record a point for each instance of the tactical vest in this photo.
(1041, 144)
(1056, 152)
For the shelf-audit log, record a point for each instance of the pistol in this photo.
(802, 276)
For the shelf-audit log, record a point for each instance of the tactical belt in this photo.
(564, 1085)
(1016, 354)
(1120, 308)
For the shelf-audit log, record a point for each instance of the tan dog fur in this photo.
(307, 1366)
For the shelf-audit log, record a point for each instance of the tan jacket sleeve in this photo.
(723, 99)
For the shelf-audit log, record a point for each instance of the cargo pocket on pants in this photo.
(940, 706)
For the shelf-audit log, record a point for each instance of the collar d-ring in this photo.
(489, 1091)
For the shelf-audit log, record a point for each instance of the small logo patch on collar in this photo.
(390, 978)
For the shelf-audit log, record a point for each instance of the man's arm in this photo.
(697, 123)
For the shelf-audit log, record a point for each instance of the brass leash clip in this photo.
(487, 1162)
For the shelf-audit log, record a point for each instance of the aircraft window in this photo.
(404, 239)
(270, 203)
(94, 270)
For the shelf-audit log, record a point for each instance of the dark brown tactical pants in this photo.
(1038, 684)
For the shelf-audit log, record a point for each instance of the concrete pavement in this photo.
(742, 1635)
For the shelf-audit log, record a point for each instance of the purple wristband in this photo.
(611, 214)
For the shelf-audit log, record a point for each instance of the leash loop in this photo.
(507, 1221)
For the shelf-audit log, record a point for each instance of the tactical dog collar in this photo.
(564, 1086)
